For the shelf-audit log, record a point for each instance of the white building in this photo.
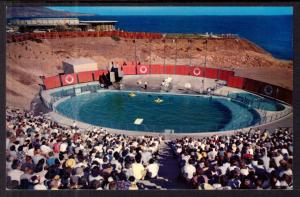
(79, 65)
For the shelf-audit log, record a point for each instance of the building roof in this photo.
(98, 21)
(79, 61)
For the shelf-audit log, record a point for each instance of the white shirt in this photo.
(153, 169)
(15, 175)
(98, 178)
(45, 149)
(288, 172)
(40, 187)
(138, 171)
(118, 165)
(146, 156)
(30, 152)
(224, 168)
(37, 158)
(63, 147)
(278, 159)
(266, 161)
(188, 171)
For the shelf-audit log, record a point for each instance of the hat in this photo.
(70, 163)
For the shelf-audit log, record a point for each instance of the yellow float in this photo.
(131, 94)
(158, 100)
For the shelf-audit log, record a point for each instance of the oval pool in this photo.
(181, 113)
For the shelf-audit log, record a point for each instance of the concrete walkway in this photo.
(168, 175)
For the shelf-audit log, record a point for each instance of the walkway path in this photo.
(168, 175)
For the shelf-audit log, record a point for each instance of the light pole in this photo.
(164, 41)
(190, 56)
(175, 40)
(135, 57)
(150, 54)
(205, 63)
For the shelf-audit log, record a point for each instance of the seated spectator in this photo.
(152, 169)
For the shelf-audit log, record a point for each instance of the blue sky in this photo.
(173, 10)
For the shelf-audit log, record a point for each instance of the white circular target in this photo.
(143, 69)
(197, 71)
(268, 89)
(69, 79)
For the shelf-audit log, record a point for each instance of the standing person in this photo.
(74, 126)
(145, 85)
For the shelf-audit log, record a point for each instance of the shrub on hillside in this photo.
(115, 38)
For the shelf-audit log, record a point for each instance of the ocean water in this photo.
(179, 113)
(272, 33)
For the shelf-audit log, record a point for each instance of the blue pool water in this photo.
(180, 113)
(257, 101)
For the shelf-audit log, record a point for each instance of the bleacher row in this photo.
(247, 84)
(75, 34)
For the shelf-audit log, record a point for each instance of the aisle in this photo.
(168, 175)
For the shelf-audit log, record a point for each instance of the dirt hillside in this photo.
(28, 60)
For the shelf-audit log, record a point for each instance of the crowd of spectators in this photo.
(42, 155)
(253, 160)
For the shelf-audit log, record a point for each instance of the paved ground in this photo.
(168, 175)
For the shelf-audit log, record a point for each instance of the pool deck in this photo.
(153, 86)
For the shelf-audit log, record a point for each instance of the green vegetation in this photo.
(197, 36)
(61, 28)
(115, 38)
(185, 36)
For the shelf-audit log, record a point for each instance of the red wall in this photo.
(260, 87)
(235, 82)
(69, 79)
(129, 70)
(182, 70)
(84, 77)
(52, 82)
(211, 73)
(225, 74)
(250, 85)
(284, 95)
(157, 69)
(169, 69)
